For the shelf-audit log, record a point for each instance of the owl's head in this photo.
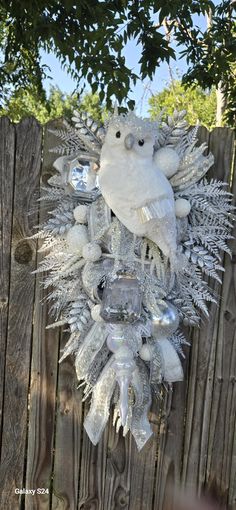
(130, 134)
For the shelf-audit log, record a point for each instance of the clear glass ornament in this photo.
(121, 300)
(78, 176)
(124, 366)
(82, 180)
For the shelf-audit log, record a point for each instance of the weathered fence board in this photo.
(170, 445)
(43, 379)
(206, 356)
(142, 466)
(20, 316)
(68, 439)
(204, 384)
(92, 472)
(223, 409)
(231, 275)
(7, 157)
(118, 471)
(43, 443)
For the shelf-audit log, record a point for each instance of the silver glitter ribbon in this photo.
(155, 210)
(156, 365)
(92, 275)
(98, 414)
(91, 345)
(122, 242)
(99, 218)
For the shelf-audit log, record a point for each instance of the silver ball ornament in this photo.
(165, 321)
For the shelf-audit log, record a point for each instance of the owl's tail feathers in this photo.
(176, 266)
(177, 261)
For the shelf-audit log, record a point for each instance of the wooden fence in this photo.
(43, 443)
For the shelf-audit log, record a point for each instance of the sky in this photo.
(141, 91)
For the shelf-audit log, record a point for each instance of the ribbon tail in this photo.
(88, 350)
(98, 414)
(171, 366)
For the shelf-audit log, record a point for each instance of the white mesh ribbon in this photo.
(90, 347)
(156, 365)
(98, 414)
(171, 367)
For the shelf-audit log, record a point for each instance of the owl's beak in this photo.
(129, 141)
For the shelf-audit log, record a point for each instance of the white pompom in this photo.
(167, 160)
(182, 207)
(80, 213)
(145, 352)
(92, 252)
(77, 238)
(95, 313)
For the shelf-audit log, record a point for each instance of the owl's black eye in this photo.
(141, 143)
(118, 134)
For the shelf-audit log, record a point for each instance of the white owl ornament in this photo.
(127, 258)
(133, 186)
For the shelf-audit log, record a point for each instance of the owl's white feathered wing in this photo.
(141, 197)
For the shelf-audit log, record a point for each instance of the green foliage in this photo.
(199, 104)
(89, 38)
(23, 103)
(211, 54)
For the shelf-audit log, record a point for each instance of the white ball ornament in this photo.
(95, 313)
(77, 238)
(92, 252)
(167, 160)
(182, 207)
(146, 352)
(80, 213)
